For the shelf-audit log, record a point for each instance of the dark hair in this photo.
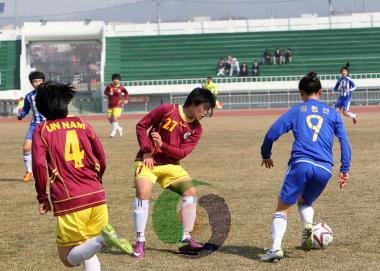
(116, 76)
(209, 77)
(310, 83)
(36, 75)
(346, 68)
(52, 99)
(200, 95)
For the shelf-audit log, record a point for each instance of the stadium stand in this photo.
(10, 51)
(194, 56)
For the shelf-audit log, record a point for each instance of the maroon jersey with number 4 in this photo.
(114, 95)
(75, 163)
(179, 135)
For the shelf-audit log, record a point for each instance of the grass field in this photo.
(228, 158)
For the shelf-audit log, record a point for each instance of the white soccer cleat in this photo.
(113, 134)
(271, 256)
(120, 130)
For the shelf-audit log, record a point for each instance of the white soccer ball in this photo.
(322, 235)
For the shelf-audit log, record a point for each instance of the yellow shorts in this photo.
(114, 112)
(165, 175)
(76, 228)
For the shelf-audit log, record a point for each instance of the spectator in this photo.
(288, 56)
(221, 67)
(235, 68)
(244, 69)
(255, 68)
(277, 56)
(227, 64)
(267, 56)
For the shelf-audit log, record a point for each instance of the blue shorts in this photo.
(343, 102)
(305, 179)
(29, 134)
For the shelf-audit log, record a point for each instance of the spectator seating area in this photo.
(195, 56)
(10, 64)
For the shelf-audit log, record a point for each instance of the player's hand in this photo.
(268, 163)
(157, 139)
(343, 178)
(44, 207)
(19, 116)
(148, 160)
(126, 102)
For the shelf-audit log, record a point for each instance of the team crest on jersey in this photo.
(186, 135)
(325, 110)
(118, 90)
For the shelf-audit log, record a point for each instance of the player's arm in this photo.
(352, 85)
(142, 127)
(97, 149)
(345, 150)
(25, 109)
(126, 96)
(335, 88)
(183, 150)
(107, 91)
(280, 127)
(39, 151)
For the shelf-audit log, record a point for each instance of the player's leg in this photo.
(347, 113)
(315, 184)
(144, 180)
(140, 214)
(188, 212)
(291, 189)
(80, 235)
(117, 115)
(27, 154)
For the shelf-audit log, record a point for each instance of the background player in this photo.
(211, 86)
(36, 78)
(346, 86)
(75, 161)
(313, 124)
(115, 104)
(166, 135)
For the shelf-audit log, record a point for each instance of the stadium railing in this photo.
(283, 98)
(242, 79)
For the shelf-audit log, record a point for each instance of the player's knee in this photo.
(63, 257)
(192, 191)
(66, 263)
(143, 193)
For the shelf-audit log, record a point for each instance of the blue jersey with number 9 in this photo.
(314, 125)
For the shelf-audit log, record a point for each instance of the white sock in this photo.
(351, 115)
(188, 215)
(140, 215)
(85, 251)
(28, 161)
(307, 214)
(91, 264)
(115, 125)
(279, 223)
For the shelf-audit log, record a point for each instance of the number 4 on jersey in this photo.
(72, 149)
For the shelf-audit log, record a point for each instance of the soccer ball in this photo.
(322, 235)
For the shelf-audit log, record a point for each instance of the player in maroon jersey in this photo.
(114, 92)
(166, 135)
(68, 150)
